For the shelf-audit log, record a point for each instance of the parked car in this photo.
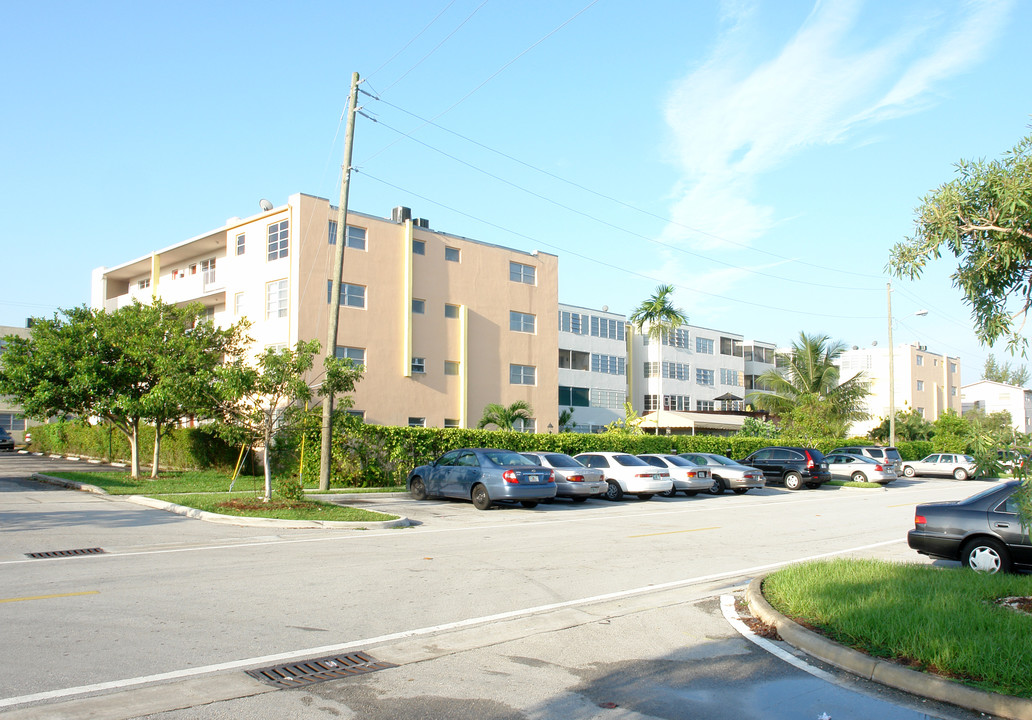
(793, 466)
(727, 473)
(859, 468)
(942, 464)
(984, 531)
(1010, 459)
(485, 476)
(6, 440)
(884, 455)
(627, 474)
(688, 477)
(572, 478)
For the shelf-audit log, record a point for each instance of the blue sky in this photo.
(763, 157)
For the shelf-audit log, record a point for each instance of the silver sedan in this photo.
(572, 478)
(858, 468)
(728, 473)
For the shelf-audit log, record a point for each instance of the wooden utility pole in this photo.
(338, 267)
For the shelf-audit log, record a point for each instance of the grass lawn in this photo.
(209, 491)
(850, 483)
(940, 620)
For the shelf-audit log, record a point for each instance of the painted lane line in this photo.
(406, 634)
(48, 597)
(674, 532)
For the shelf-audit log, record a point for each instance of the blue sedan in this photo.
(485, 476)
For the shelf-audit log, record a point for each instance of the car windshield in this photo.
(531, 459)
(722, 460)
(968, 458)
(678, 461)
(630, 460)
(892, 454)
(506, 458)
(559, 460)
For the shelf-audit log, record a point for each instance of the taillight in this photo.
(575, 478)
(510, 477)
(920, 520)
(809, 461)
(879, 468)
(551, 476)
(690, 473)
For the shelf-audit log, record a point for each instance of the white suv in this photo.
(626, 474)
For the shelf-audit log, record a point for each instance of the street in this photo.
(607, 610)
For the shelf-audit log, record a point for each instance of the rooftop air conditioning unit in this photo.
(400, 214)
(421, 222)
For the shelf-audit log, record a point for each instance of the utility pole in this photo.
(892, 374)
(338, 267)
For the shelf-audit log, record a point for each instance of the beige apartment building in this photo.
(443, 325)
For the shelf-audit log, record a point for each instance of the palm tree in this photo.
(809, 381)
(504, 418)
(661, 318)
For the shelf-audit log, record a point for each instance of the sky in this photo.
(762, 157)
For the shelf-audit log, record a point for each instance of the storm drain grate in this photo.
(65, 553)
(308, 672)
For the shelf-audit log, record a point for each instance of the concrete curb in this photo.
(883, 671)
(224, 519)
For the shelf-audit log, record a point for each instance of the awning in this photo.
(691, 421)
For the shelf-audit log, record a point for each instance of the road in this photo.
(596, 610)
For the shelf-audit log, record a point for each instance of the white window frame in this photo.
(278, 240)
(522, 273)
(522, 322)
(277, 300)
(522, 374)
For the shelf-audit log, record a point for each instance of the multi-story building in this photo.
(759, 358)
(11, 417)
(442, 324)
(923, 381)
(993, 397)
(592, 366)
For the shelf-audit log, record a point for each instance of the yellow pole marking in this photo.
(48, 597)
(674, 532)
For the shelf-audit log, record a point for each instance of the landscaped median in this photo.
(207, 496)
(945, 633)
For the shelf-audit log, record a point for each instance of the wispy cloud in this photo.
(737, 117)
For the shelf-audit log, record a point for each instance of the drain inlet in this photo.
(65, 553)
(308, 672)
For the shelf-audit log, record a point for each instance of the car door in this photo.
(1004, 520)
(764, 460)
(437, 478)
(840, 466)
(463, 475)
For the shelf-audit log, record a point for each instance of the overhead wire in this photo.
(404, 47)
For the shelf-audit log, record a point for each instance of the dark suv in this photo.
(793, 466)
(6, 441)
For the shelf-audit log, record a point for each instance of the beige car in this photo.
(960, 467)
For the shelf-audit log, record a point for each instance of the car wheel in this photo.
(691, 493)
(813, 486)
(529, 503)
(579, 499)
(669, 493)
(417, 489)
(985, 555)
(858, 477)
(614, 491)
(718, 487)
(909, 471)
(645, 496)
(960, 474)
(739, 491)
(481, 500)
(793, 481)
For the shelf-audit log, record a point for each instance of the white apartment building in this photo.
(993, 397)
(592, 366)
(925, 381)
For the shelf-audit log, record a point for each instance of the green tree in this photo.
(659, 315)
(984, 218)
(629, 425)
(258, 400)
(952, 433)
(754, 427)
(504, 418)
(566, 422)
(910, 425)
(994, 371)
(805, 393)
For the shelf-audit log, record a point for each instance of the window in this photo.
(574, 396)
(417, 422)
(677, 403)
(609, 364)
(354, 354)
(729, 377)
(703, 405)
(238, 304)
(193, 269)
(451, 367)
(279, 240)
(144, 284)
(451, 311)
(451, 422)
(572, 322)
(418, 247)
(360, 414)
(241, 244)
(953, 367)
(651, 403)
(573, 360)
(418, 306)
(676, 371)
(526, 426)
(276, 299)
(208, 271)
(522, 375)
(356, 238)
(522, 322)
(650, 369)
(704, 377)
(920, 411)
(609, 399)
(704, 345)
(276, 347)
(953, 392)
(678, 338)
(350, 295)
(919, 360)
(418, 365)
(518, 272)
(606, 328)
(451, 254)
(730, 346)
(920, 385)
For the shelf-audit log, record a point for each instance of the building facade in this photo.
(993, 397)
(592, 366)
(442, 324)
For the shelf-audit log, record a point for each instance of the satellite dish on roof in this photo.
(265, 205)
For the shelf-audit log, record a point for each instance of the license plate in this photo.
(533, 478)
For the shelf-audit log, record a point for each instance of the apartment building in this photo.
(925, 381)
(993, 397)
(592, 366)
(442, 324)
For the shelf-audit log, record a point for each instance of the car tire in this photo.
(417, 489)
(718, 487)
(614, 491)
(985, 555)
(909, 471)
(644, 496)
(813, 486)
(481, 500)
(858, 477)
(691, 493)
(669, 493)
(739, 491)
(529, 503)
(579, 498)
(793, 481)
(960, 474)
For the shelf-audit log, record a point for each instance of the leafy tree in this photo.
(257, 400)
(952, 433)
(808, 383)
(754, 427)
(504, 418)
(910, 426)
(984, 218)
(659, 315)
(1004, 373)
(629, 425)
(566, 422)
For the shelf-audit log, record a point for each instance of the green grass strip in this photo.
(942, 620)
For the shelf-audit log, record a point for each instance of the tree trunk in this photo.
(157, 451)
(134, 448)
(265, 457)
